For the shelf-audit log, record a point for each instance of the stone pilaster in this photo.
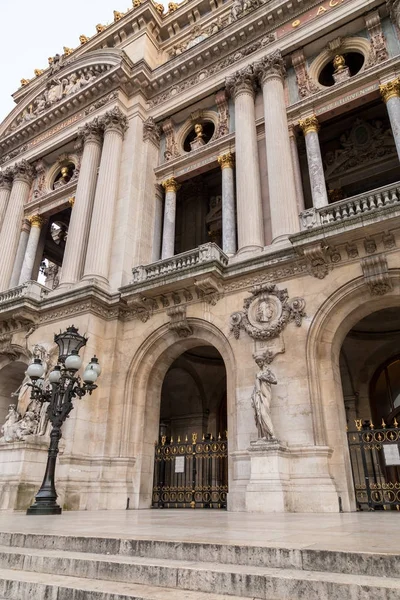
(5, 191)
(171, 186)
(228, 204)
(20, 254)
(391, 95)
(241, 86)
(10, 232)
(310, 128)
(82, 204)
(394, 11)
(282, 191)
(296, 169)
(36, 223)
(101, 228)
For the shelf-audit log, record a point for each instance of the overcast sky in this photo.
(33, 30)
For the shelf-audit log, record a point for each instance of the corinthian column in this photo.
(171, 186)
(241, 87)
(310, 128)
(5, 191)
(19, 257)
(282, 190)
(101, 228)
(10, 232)
(228, 204)
(391, 96)
(78, 230)
(36, 223)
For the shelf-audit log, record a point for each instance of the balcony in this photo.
(368, 207)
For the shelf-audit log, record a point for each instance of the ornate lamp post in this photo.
(64, 385)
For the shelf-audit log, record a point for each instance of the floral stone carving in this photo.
(267, 312)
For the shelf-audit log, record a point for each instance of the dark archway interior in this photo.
(193, 396)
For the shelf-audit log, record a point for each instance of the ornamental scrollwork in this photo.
(267, 312)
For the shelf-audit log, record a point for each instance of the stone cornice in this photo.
(54, 199)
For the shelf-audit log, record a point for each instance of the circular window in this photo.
(64, 175)
(351, 60)
(198, 136)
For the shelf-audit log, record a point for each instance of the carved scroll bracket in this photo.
(376, 274)
(178, 322)
(317, 260)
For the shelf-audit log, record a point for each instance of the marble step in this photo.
(17, 585)
(308, 559)
(232, 580)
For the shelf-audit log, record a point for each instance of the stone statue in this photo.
(261, 399)
(53, 91)
(264, 312)
(72, 85)
(26, 426)
(8, 429)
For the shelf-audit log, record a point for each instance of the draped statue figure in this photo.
(261, 399)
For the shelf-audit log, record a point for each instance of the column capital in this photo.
(36, 221)
(394, 11)
(114, 120)
(6, 178)
(71, 201)
(171, 185)
(390, 90)
(91, 132)
(272, 65)
(226, 161)
(309, 124)
(26, 225)
(151, 131)
(242, 82)
(23, 171)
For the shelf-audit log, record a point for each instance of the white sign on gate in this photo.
(180, 464)
(392, 454)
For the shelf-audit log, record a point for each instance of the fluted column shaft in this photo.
(296, 170)
(282, 190)
(228, 204)
(171, 187)
(101, 228)
(79, 226)
(19, 257)
(36, 223)
(9, 235)
(248, 188)
(391, 96)
(5, 191)
(310, 127)
(158, 225)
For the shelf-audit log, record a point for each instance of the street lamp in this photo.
(64, 385)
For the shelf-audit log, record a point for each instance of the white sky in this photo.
(33, 30)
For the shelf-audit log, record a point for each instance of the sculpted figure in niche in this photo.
(264, 312)
(8, 429)
(339, 63)
(261, 400)
(72, 85)
(54, 91)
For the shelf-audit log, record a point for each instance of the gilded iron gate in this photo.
(375, 461)
(191, 474)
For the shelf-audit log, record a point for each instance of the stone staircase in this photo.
(50, 567)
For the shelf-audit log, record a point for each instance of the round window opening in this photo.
(198, 136)
(64, 175)
(349, 60)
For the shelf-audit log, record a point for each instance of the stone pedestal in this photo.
(342, 75)
(269, 477)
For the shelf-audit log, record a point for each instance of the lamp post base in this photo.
(51, 508)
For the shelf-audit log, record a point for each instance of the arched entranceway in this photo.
(191, 455)
(370, 373)
(142, 409)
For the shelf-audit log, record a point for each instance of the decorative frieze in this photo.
(376, 274)
(267, 312)
(241, 8)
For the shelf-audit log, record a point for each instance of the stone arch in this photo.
(330, 325)
(143, 396)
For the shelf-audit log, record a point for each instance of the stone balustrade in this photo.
(30, 289)
(349, 208)
(206, 253)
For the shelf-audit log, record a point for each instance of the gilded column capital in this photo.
(23, 171)
(226, 161)
(151, 131)
(71, 201)
(6, 178)
(309, 125)
(36, 221)
(272, 65)
(91, 132)
(390, 89)
(171, 185)
(114, 120)
(242, 82)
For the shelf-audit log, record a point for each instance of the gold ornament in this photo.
(38, 72)
(339, 63)
(226, 161)
(100, 27)
(67, 51)
(71, 201)
(309, 124)
(24, 81)
(390, 89)
(171, 185)
(172, 6)
(36, 221)
(159, 8)
(136, 3)
(83, 39)
(117, 15)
